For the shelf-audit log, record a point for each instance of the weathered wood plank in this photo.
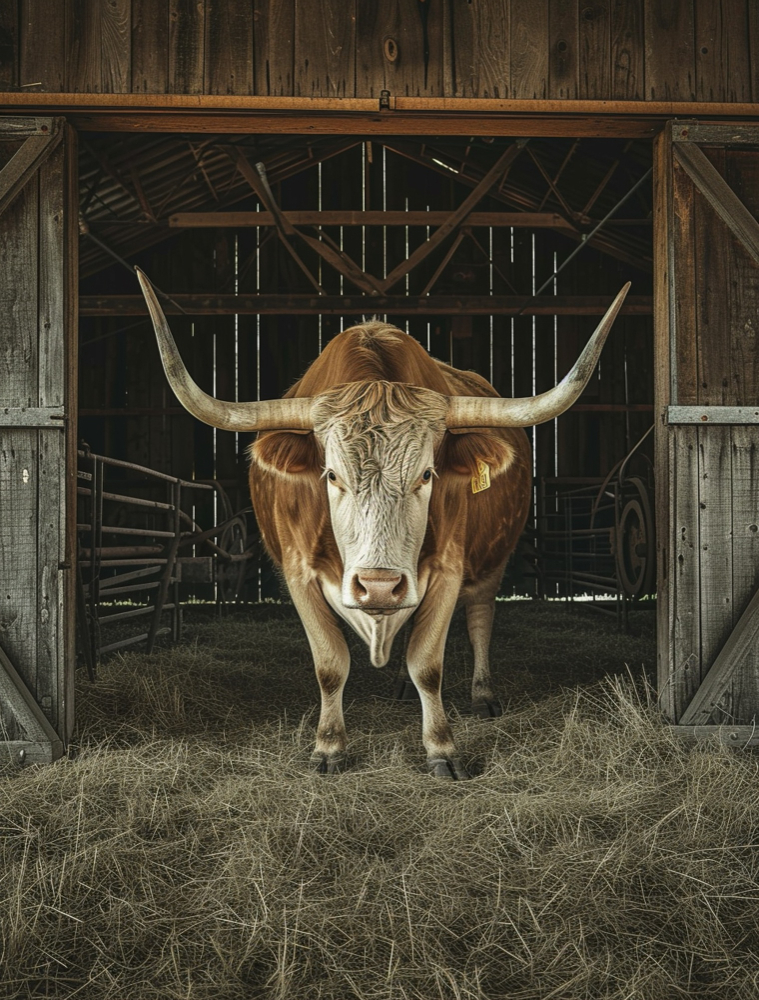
(44, 40)
(390, 48)
(738, 737)
(18, 300)
(481, 53)
(685, 581)
(669, 55)
(594, 64)
(702, 415)
(9, 46)
(99, 53)
(722, 50)
(24, 163)
(186, 47)
(742, 695)
(563, 41)
(32, 739)
(753, 38)
(627, 49)
(743, 176)
(720, 196)
(715, 523)
(198, 304)
(274, 48)
(150, 49)
(682, 296)
(325, 48)
(229, 47)
(350, 217)
(529, 52)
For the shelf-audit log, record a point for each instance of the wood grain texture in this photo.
(529, 53)
(564, 49)
(722, 50)
(685, 582)
(390, 49)
(480, 49)
(594, 63)
(99, 49)
(44, 39)
(9, 45)
(186, 46)
(743, 177)
(627, 50)
(669, 54)
(150, 46)
(229, 47)
(663, 292)
(715, 524)
(274, 48)
(753, 44)
(325, 48)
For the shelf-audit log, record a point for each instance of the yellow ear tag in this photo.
(481, 481)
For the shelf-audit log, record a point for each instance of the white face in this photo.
(379, 484)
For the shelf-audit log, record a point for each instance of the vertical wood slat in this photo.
(722, 50)
(43, 43)
(627, 50)
(563, 42)
(99, 52)
(685, 581)
(229, 47)
(274, 48)
(669, 55)
(594, 62)
(9, 45)
(743, 696)
(150, 51)
(480, 49)
(753, 39)
(186, 46)
(742, 174)
(529, 53)
(715, 522)
(390, 49)
(325, 48)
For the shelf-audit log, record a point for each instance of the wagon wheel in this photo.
(230, 575)
(634, 548)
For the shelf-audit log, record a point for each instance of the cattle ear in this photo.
(286, 453)
(459, 453)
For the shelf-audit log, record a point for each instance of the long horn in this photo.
(266, 415)
(489, 411)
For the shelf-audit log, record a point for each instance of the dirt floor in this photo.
(186, 850)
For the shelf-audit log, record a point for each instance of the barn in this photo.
(485, 174)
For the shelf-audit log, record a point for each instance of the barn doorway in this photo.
(263, 265)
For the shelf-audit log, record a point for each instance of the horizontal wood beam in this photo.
(361, 116)
(353, 305)
(241, 220)
(178, 411)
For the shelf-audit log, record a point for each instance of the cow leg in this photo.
(479, 623)
(404, 688)
(425, 666)
(332, 663)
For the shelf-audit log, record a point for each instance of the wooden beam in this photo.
(26, 161)
(720, 196)
(37, 742)
(241, 220)
(178, 411)
(353, 305)
(499, 169)
(743, 638)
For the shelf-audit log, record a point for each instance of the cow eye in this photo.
(427, 475)
(331, 476)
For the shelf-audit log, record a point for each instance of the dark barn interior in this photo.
(251, 306)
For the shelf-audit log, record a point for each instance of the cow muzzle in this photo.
(381, 591)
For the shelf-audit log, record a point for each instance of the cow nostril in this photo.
(400, 589)
(358, 590)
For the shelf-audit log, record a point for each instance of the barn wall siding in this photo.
(684, 50)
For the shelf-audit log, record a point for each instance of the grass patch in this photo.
(186, 851)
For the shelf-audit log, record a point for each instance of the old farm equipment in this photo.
(596, 536)
(138, 540)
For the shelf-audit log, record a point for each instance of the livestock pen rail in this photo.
(130, 563)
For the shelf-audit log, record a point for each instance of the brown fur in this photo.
(469, 533)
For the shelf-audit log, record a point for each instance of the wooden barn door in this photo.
(38, 232)
(707, 407)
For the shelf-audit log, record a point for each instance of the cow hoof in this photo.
(448, 768)
(329, 763)
(405, 690)
(487, 708)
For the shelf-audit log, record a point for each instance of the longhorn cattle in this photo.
(387, 484)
